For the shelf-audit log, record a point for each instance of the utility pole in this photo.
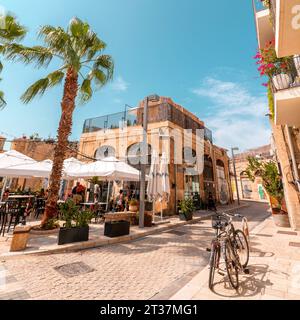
(235, 176)
(144, 158)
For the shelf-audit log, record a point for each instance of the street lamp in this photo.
(235, 176)
(144, 158)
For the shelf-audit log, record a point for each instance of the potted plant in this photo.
(133, 205)
(186, 209)
(147, 219)
(272, 183)
(76, 226)
(279, 70)
(114, 229)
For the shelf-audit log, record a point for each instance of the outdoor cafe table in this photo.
(21, 197)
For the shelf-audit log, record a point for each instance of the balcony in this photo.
(265, 30)
(286, 89)
(158, 113)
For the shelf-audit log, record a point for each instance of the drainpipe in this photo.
(292, 151)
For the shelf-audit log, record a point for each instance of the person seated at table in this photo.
(211, 205)
(6, 194)
(78, 193)
(41, 193)
(96, 192)
(120, 201)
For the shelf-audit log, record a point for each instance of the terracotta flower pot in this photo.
(133, 208)
(281, 218)
(282, 81)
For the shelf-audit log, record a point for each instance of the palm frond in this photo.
(1, 66)
(11, 30)
(78, 28)
(94, 46)
(85, 92)
(55, 38)
(2, 101)
(105, 63)
(99, 77)
(41, 56)
(39, 87)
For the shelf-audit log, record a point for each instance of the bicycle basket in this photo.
(219, 222)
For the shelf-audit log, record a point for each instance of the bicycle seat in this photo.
(238, 215)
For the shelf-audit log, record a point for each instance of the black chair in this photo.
(99, 212)
(11, 215)
(2, 216)
(39, 207)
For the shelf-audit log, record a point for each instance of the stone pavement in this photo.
(148, 268)
(274, 270)
(47, 244)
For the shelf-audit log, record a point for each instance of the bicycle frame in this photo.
(221, 237)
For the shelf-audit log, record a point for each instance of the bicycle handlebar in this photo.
(234, 215)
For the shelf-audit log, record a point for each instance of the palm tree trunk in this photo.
(63, 133)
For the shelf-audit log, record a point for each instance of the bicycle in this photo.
(232, 244)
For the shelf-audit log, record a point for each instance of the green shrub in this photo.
(186, 206)
(73, 216)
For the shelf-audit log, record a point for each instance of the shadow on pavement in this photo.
(250, 285)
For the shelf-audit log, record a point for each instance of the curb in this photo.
(101, 243)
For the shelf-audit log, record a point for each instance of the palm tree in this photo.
(10, 30)
(83, 63)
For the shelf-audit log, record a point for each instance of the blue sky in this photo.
(197, 52)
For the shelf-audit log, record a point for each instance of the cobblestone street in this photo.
(154, 267)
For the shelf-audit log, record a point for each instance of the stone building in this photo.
(279, 20)
(120, 135)
(249, 190)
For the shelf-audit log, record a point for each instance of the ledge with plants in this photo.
(283, 73)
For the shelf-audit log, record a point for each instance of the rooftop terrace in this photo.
(157, 113)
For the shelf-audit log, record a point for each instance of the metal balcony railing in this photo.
(287, 79)
(158, 113)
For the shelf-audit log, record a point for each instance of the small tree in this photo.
(82, 64)
(268, 171)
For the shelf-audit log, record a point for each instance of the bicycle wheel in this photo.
(213, 264)
(242, 247)
(231, 266)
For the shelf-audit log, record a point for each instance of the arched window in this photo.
(220, 163)
(105, 152)
(135, 154)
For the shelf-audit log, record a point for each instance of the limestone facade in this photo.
(167, 122)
